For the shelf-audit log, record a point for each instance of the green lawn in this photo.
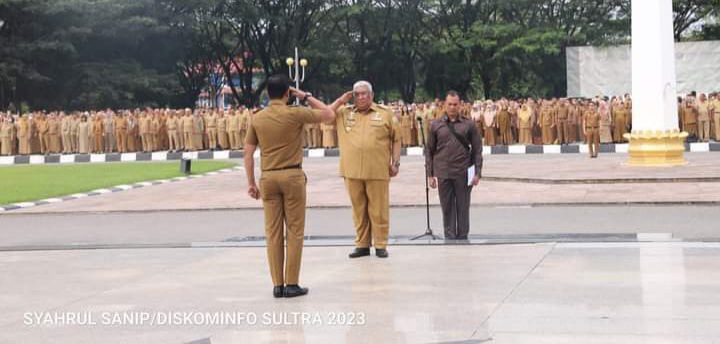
(35, 182)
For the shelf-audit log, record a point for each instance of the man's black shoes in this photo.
(294, 290)
(278, 291)
(359, 252)
(381, 252)
(362, 252)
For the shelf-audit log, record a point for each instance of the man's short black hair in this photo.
(452, 93)
(277, 85)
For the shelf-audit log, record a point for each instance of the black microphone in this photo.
(419, 119)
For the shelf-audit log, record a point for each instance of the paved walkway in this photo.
(326, 189)
(520, 224)
(542, 293)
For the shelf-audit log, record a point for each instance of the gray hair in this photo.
(363, 83)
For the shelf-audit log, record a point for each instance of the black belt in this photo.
(292, 167)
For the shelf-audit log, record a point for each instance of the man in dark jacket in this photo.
(453, 158)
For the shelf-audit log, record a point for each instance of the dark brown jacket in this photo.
(445, 156)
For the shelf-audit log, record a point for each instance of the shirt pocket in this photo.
(379, 130)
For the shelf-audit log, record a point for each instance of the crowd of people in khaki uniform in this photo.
(499, 122)
(559, 121)
(141, 130)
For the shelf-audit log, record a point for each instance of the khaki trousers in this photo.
(173, 140)
(371, 211)
(98, 148)
(222, 140)
(506, 137)
(5, 146)
(55, 143)
(212, 138)
(489, 137)
(44, 143)
(233, 136)
(562, 131)
(691, 129)
(593, 140)
(704, 130)
(620, 125)
(188, 143)
(283, 195)
(547, 135)
(525, 136)
(67, 147)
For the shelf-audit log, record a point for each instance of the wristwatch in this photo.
(397, 164)
(307, 95)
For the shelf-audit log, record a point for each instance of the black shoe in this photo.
(294, 290)
(381, 252)
(359, 252)
(278, 291)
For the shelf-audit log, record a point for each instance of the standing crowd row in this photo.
(499, 122)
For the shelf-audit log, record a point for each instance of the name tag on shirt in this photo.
(376, 117)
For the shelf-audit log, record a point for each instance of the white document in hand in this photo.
(471, 174)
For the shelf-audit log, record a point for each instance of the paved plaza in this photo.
(534, 293)
(563, 249)
(510, 180)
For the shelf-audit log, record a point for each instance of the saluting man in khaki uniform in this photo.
(369, 141)
(278, 130)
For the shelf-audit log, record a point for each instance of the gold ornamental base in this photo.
(656, 148)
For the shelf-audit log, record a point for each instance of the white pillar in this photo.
(655, 139)
(653, 66)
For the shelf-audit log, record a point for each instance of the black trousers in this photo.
(455, 202)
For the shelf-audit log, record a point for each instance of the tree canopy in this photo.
(92, 54)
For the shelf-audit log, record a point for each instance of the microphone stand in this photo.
(428, 230)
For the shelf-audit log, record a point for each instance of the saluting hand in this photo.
(297, 93)
(346, 96)
(253, 191)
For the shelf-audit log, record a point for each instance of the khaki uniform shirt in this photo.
(278, 131)
(592, 119)
(232, 123)
(365, 140)
(172, 124)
